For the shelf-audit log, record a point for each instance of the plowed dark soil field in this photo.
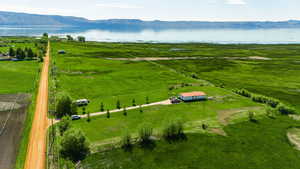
(12, 116)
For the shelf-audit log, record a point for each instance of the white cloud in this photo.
(236, 2)
(119, 5)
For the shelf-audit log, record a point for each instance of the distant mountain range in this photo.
(24, 19)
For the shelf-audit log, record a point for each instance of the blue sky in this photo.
(202, 10)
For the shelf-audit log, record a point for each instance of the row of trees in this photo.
(79, 38)
(119, 106)
(274, 103)
(22, 53)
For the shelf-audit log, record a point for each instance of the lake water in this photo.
(261, 36)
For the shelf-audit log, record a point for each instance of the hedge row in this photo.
(274, 103)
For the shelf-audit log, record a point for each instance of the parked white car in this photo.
(82, 102)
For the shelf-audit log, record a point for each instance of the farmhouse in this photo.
(193, 96)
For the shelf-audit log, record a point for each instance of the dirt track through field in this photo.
(165, 102)
(188, 58)
(36, 152)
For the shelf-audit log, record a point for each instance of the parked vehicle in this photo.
(175, 100)
(75, 117)
(82, 102)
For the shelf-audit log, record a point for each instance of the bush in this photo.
(124, 111)
(102, 107)
(174, 131)
(251, 116)
(145, 134)
(284, 109)
(126, 142)
(133, 102)
(74, 146)
(74, 108)
(108, 114)
(118, 105)
(271, 112)
(88, 117)
(64, 125)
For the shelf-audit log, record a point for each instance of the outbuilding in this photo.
(193, 96)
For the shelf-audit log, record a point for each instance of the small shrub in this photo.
(88, 117)
(74, 108)
(118, 104)
(126, 142)
(204, 126)
(285, 110)
(102, 107)
(271, 112)
(124, 111)
(64, 125)
(108, 114)
(83, 110)
(133, 102)
(174, 131)
(147, 100)
(145, 134)
(251, 116)
(141, 109)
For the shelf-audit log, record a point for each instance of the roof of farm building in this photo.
(197, 93)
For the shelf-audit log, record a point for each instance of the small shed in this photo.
(193, 96)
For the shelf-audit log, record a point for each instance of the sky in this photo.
(169, 10)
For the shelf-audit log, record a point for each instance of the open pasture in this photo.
(249, 145)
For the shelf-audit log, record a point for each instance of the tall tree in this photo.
(11, 52)
(70, 38)
(63, 106)
(30, 53)
(81, 38)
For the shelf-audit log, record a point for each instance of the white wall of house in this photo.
(192, 98)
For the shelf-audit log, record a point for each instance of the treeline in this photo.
(22, 53)
(274, 103)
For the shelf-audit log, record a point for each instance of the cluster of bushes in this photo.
(274, 103)
(171, 133)
(174, 131)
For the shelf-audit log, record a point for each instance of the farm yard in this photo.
(17, 89)
(228, 130)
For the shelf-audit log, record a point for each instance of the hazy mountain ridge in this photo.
(21, 19)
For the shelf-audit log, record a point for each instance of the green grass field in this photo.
(248, 146)
(107, 81)
(85, 72)
(276, 78)
(192, 114)
(18, 77)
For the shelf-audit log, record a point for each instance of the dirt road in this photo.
(36, 152)
(165, 102)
